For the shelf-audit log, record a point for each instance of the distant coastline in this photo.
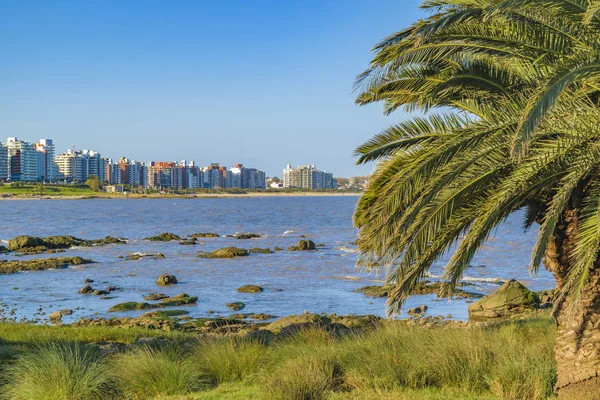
(101, 195)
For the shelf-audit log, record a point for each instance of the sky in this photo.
(263, 83)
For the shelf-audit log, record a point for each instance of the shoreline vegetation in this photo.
(61, 192)
(378, 359)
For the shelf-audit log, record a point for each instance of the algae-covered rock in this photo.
(155, 296)
(304, 245)
(188, 242)
(357, 321)
(39, 264)
(166, 279)
(163, 237)
(235, 306)
(130, 306)
(246, 236)
(423, 287)
(260, 251)
(179, 300)
(63, 242)
(375, 290)
(146, 256)
(510, 299)
(55, 317)
(22, 242)
(306, 320)
(226, 252)
(109, 240)
(277, 248)
(165, 313)
(204, 235)
(250, 289)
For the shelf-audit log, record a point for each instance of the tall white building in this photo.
(3, 162)
(307, 177)
(22, 161)
(47, 168)
(67, 165)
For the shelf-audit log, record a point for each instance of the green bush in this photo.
(230, 359)
(147, 372)
(57, 371)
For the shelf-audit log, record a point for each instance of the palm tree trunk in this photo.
(577, 349)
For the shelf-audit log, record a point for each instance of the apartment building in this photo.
(307, 177)
(3, 162)
(22, 160)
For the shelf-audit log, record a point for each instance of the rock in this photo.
(358, 321)
(55, 317)
(88, 280)
(375, 290)
(260, 251)
(165, 313)
(298, 321)
(423, 287)
(418, 310)
(226, 252)
(277, 248)
(204, 235)
(166, 279)
(163, 237)
(130, 306)
(39, 264)
(86, 289)
(236, 306)
(250, 289)
(245, 236)
(3, 249)
(100, 292)
(22, 242)
(109, 240)
(155, 296)
(510, 299)
(304, 245)
(139, 256)
(178, 300)
(188, 242)
(66, 312)
(111, 288)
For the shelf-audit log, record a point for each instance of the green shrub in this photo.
(57, 371)
(311, 377)
(146, 372)
(230, 359)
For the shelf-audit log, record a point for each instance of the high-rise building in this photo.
(307, 177)
(94, 164)
(22, 160)
(47, 168)
(67, 165)
(3, 162)
(215, 176)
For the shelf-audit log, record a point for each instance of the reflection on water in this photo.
(321, 281)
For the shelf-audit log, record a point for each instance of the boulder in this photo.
(304, 245)
(204, 235)
(235, 306)
(130, 306)
(39, 264)
(300, 321)
(246, 236)
(226, 252)
(22, 242)
(178, 300)
(55, 317)
(510, 299)
(86, 289)
(250, 289)
(66, 312)
(163, 237)
(155, 296)
(418, 310)
(260, 251)
(140, 256)
(166, 279)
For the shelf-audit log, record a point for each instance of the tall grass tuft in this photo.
(230, 359)
(309, 377)
(57, 371)
(146, 372)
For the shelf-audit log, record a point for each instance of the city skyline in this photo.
(234, 82)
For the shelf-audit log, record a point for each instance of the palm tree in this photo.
(516, 89)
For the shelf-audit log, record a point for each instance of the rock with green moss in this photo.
(423, 287)
(204, 235)
(179, 300)
(300, 321)
(260, 250)
(226, 252)
(235, 306)
(246, 236)
(509, 300)
(87, 289)
(250, 289)
(163, 237)
(131, 306)
(109, 240)
(146, 256)
(39, 264)
(165, 313)
(155, 296)
(304, 245)
(188, 242)
(51, 244)
(166, 279)
(22, 242)
(277, 248)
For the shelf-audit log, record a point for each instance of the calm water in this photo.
(321, 281)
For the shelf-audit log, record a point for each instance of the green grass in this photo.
(511, 360)
(59, 371)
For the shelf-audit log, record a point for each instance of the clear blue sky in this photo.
(264, 83)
